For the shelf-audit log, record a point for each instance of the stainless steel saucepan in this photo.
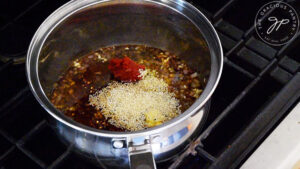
(82, 26)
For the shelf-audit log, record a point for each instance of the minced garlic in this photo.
(100, 58)
(135, 106)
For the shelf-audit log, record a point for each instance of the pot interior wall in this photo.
(112, 23)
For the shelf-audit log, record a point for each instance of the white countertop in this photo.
(281, 150)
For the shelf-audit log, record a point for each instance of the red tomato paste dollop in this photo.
(125, 69)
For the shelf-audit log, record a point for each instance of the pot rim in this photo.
(67, 10)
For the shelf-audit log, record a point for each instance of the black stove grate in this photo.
(259, 85)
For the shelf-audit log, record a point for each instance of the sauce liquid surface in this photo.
(90, 73)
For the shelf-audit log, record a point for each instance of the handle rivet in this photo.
(118, 144)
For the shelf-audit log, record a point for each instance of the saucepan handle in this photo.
(141, 157)
(142, 161)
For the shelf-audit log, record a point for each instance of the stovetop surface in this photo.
(259, 85)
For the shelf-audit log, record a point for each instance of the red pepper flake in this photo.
(125, 69)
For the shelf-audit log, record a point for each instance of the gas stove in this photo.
(258, 90)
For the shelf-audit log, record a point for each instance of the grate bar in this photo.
(8, 63)
(240, 69)
(7, 137)
(268, 68)
(237, 100)
(205, 154)
(41, 125)
(236, 48)
(179, 159)
(32, 156)
(223, 10)
(21, 14)
(4, 155)
(16, 100)
(61, 158)
(227, 110)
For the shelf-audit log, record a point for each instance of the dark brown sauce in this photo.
(89, 74)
